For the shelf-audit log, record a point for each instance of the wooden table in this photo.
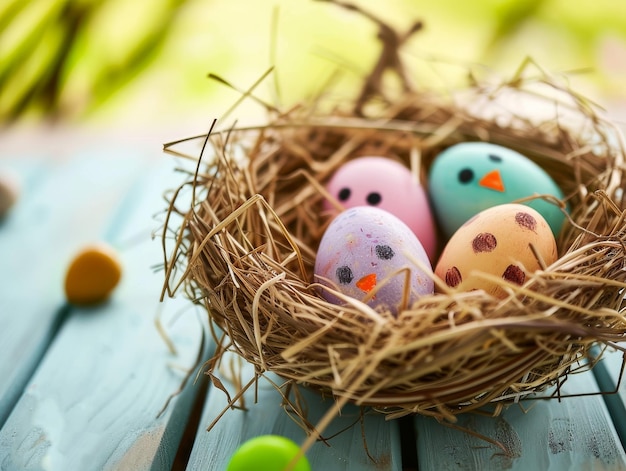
(85, 389)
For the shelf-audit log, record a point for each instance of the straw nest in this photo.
(248, 242)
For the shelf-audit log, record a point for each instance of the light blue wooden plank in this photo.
(344, 452)
(29, 174)
(94, 401)
(608, 372)
(26, 174)
(574, 434)
(61, 206)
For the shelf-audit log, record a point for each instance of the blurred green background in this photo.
(133, 63)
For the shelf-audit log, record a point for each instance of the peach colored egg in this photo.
(497, 241)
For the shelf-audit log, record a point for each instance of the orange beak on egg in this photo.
(367, 283)
(492, 180)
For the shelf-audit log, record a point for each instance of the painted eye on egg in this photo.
(344, 194)
(466, 175)
(374, 198)
(344, 275)
(384, 252)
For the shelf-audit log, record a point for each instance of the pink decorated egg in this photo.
(369, 254)
(497, 241)
(384, 183)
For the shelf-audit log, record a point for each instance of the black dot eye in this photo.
(344, 275)
(384, 252)
(374, 198)
(344, 194)
(466, 175)
(495, 158)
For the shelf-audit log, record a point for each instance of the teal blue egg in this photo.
(469, 177)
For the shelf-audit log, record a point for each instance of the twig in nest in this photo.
(389, 58)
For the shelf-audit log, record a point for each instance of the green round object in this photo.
(267, 453)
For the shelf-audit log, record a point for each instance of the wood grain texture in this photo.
(94, 401)
(83, 388)
(61, 206)
(609, 375)
(343, 452)
(573, 434)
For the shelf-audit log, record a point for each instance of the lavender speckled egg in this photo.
(366, 250)
(384, 183)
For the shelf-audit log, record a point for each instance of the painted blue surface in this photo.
(575, 433)
(61, 207)
(347, 437)
(84, 388)
(94, 399)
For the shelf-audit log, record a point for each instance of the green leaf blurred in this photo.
(62, 57)
(126, 61)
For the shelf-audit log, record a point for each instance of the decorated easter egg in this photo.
(384, 183)
(469, 177)
(371, 255)
(497, 241)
